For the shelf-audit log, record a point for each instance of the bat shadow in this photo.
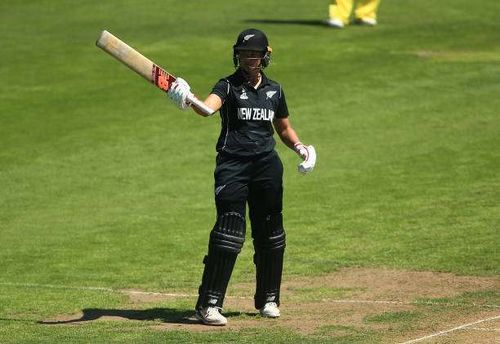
(310, 22)
(166, 315)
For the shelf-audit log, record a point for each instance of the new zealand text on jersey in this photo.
(255, 114)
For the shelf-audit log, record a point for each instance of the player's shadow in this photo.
(311, 22)
(166, 315)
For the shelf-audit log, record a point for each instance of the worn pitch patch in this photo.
(333, 305)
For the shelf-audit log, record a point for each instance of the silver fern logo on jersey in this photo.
(270, 94)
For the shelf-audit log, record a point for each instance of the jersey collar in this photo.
(241, 78)
(264, 81)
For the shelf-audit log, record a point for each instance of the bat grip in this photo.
(200, 105)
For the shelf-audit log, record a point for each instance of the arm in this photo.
(213, 101)
(180, 93)
(286, 133)
(290, 138)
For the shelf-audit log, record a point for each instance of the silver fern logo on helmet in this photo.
(247, 37)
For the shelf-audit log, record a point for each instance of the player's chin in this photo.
(251, 70)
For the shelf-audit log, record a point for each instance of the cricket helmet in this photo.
(252, 39)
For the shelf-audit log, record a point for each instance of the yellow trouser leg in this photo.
(341, 9)
(367, 9)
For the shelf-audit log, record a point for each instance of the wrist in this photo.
(301, 150)
(297, 146)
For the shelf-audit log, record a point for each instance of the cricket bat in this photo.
(143, 66)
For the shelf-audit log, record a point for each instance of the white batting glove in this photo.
(179, 92)
(308, 154)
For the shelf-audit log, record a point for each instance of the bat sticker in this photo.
(161, 78)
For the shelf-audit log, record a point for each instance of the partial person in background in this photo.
(365, 12)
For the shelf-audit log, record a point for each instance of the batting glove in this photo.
(179, 93)
(308, 154)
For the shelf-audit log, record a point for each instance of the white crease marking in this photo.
(440, 333)
(139, 292)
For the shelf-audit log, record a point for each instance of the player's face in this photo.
(250, 60)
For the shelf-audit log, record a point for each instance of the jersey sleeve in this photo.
(221, 89)
(282, 111)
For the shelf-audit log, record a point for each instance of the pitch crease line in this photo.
(139, 292)
(54, 286)
(440, 333)
(415, 303)
(484, 329)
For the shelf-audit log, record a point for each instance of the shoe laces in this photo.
(213, 311)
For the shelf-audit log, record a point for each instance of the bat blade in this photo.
(142, 65)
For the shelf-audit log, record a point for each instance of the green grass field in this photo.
(104, 183)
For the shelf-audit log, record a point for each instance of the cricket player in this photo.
(365, 12)
(248, 170)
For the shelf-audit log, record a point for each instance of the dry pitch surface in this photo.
(393, 306)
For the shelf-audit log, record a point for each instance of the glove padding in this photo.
(179, 92)
(308, 153)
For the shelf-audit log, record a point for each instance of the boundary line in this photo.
(440, 333)
(139, 292)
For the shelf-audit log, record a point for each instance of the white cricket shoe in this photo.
(333, 22)
(211, 316)
(366, 21)
(270, 310)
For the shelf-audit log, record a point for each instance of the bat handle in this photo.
(200, 105)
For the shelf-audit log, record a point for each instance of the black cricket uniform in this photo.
(248, 169)
(247, 114)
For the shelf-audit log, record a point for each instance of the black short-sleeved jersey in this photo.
(247, 114)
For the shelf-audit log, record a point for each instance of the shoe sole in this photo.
(333, 25)
(364, 23)
(270, 315)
